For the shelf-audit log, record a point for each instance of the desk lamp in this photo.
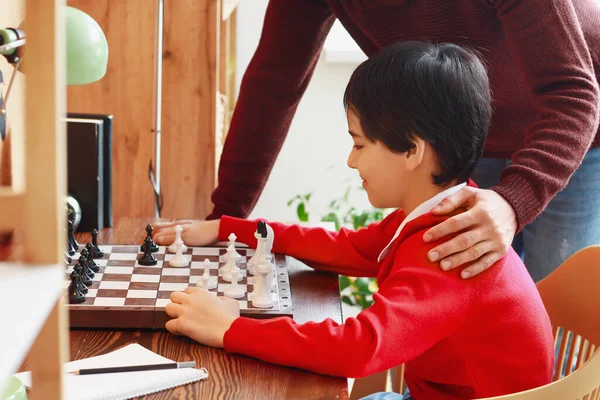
(87, 53)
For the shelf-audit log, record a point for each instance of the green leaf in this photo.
(361, 220)
(344, 282)
(348, 300)
(301, 211)
(332, 217)
(363, 303)
(307, 196)
(362, 284)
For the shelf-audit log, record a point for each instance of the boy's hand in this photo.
(491, 224)
(201, 316)
(194, 233)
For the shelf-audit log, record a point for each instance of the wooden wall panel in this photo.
(126, 91)
(190, 78)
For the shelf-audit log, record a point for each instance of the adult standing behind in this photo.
(541, 56)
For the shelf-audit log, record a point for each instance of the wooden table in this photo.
(315, 297)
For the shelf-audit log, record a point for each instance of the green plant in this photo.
(356, 292)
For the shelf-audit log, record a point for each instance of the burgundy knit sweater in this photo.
(541, 56)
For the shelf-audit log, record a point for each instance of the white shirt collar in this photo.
(422, 209)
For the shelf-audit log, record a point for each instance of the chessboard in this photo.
(124, 294)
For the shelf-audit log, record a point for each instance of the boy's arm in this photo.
(416, 306)
(346, 252)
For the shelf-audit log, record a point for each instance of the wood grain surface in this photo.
(190, 74)
(315, 296)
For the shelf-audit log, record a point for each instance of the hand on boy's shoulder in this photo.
(488, 226)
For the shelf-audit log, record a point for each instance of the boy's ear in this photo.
(415, 155)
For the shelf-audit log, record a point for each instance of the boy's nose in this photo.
(351, 162)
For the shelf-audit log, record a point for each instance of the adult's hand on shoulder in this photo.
(488, 226)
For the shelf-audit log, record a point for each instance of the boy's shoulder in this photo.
(411, 249)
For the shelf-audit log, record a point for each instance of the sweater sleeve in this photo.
(292, 38)
(416, 306)
(346, 252)
(546, 40)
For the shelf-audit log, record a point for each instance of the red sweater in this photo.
(540, 70)
(460, 339)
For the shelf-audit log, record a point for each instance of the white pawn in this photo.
(173, 247)
(206, 281)
(230, 264)
(261, 295)
(179, 260)
(232, 238)
(234, 290)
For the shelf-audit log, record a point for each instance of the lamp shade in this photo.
(87, 49)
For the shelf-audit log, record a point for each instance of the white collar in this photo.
(422, 209)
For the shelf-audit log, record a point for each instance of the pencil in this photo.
(131, 368)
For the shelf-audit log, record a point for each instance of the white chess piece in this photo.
(263, 249)
(173, 247)
(234, 290)
(206, 281)
(261, 296)
(232, 238)
(269, 243)
(260, 243)
(230, 264)
(179, 260)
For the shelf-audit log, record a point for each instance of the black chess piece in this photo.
(261, 228)
(70, 238)
(75, 294)
(97, 251)
(149, 230)
(71, 219)
(78, 268)
(147, 258)
(89, 262)
(90, 257)
(67, 257)
(82, 264)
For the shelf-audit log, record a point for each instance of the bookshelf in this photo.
(34, 319)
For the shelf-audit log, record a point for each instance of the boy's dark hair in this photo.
(438, 92)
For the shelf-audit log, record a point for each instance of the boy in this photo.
(418, 115)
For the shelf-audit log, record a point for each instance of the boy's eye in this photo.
(357, 147)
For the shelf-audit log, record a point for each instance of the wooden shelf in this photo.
(28, 293)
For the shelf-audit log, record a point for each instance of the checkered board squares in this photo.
(125, 294)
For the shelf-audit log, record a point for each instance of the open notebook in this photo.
(123, 385)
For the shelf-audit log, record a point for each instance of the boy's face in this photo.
(383, 172)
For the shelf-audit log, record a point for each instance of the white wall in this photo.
(313, 157)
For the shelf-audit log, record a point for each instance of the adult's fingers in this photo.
(483, 264)
(473, 253)
(454, 224)
(455, 201)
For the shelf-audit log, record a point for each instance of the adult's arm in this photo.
(547, 42)
(292, 39)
